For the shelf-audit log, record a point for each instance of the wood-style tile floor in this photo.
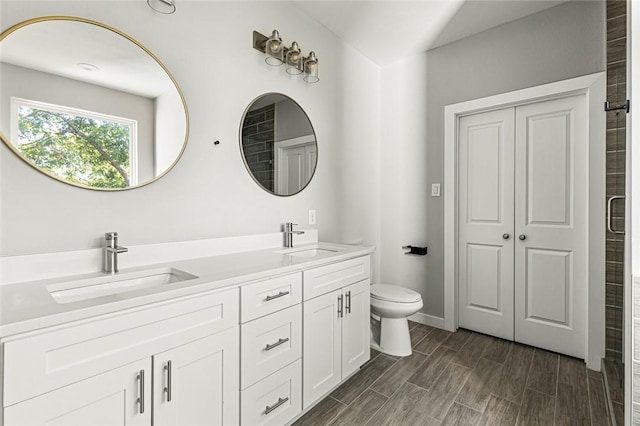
(614, 374)
(466, 378)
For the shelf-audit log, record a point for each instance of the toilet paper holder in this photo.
(415, 250)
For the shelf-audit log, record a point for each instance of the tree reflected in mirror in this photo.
(76, 148)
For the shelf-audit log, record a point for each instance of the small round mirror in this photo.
(88, 105)
(278, 144)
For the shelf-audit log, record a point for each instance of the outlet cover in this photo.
(312, 217)
(435, 189)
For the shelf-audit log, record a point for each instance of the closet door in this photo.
(486, 209)
(551, 225)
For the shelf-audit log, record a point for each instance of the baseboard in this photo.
(427, 319)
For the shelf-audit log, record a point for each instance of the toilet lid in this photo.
(394, 293)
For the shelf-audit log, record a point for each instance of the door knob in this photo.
(522, 237)
(506, 236)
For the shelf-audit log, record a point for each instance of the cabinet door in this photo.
(321, 348)
(355, 327)
(198, 383)
(111, 398)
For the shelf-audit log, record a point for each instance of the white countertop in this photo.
(28, 306)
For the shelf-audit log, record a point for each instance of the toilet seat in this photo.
(394, 293)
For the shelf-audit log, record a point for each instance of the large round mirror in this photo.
(278, 144)
(88, 105)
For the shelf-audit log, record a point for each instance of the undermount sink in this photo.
(311, 252)
(85, 289)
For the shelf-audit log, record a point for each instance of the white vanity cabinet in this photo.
(110, 398)
(254, 353)
(336, 325)
(271, 348)
(101, 371)
(196, 383)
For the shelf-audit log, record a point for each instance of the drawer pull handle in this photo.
(167, 389)
(281, 401)
(141, 389)
(282, 293)
(275, 345)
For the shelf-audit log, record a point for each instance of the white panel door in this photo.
(295, 165)
(485, 258)
(355, 327)
(108, 399)
(550, 225)
(293, 174)
(321, 346)
(202, 380)
(311, 156)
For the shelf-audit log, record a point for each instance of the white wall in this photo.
(404, 185)
(290, 121)
(207, 47)
(44, 87)
(169, 133)
(559, 43)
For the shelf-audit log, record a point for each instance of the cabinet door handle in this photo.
(276, 344)
(141, 390)
(340, 313)
(281, 401)
(282, 293)
(349, 302)
(505, 236)
(167, 389)
(522, 237)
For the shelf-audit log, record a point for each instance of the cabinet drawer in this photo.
(41, 362)
(275, 400)
(332, 277)
(264, 297)
(270, 343)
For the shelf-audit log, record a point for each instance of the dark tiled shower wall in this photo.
(616, 135)
(258, 135)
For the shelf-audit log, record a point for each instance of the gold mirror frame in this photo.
(10, 145)
(242, 153)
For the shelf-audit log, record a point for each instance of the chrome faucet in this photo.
(288, 234)
(111, 251)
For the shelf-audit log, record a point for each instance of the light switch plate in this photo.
(435, 189)
(312, 217)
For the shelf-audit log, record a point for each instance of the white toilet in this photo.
(390, 307)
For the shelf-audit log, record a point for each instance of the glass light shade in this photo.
(274, 49)
(311, 69)
(294, 59)
(166, 7)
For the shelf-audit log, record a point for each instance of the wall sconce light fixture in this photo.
(276, 54)
(274, 49)
(166, 7)
(311, 68)
(294, 59)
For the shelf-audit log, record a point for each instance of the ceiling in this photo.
(387, 31)
(384, 31)
(60, 47)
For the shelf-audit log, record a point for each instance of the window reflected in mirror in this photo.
(82, 147)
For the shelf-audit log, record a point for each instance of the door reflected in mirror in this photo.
(88, 105)
(278, 144)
